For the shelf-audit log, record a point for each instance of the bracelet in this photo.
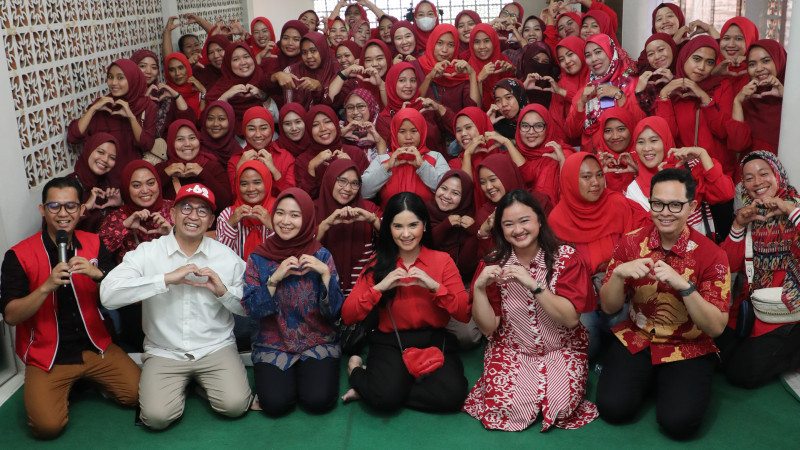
(342, 76)
(176, 97)
(618, 95)
(482, 235)
(710, 99)
(271, 284)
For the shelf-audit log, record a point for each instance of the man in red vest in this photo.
(60, 334)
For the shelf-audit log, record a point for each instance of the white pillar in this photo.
(790, 132)
(637, 25)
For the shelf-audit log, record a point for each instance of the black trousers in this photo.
(313, 384)
(683, 389)
(754, 361)
(386, 384)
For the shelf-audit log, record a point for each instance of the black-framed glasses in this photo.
(342, 182)
(674, 207)
(361, 107)
(510, 14)
(55, 207)
(202, 211)
(526, 127)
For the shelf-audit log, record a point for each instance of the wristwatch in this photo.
(269, 283)
(688, 291)
(538, 290)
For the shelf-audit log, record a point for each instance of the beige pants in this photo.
(162, 387)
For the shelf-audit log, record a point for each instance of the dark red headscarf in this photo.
(710, 82)
(143, 53)
(172, 154)
(406, 24)
(229, 79)
(505, 169)
(315, 147)
(669, 41)
(607, 25)
(325, 73)
(219, 39)
(675, 9)
(128, 206)
(252, 41)
(352, 46)
(428, 60)
(764, 114)
(483, 125)
(137, 86)
(295, 148)
(304, 243)
(84, 174)
(464, 208)
(387, 53)
(478, 64)
(285, 60)
(465, 46)
(527, 64)
(223, 148)
(306, 12)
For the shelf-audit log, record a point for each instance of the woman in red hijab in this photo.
(179, 76)
(258, 127)
(322, 127)
(289, 45)
(293, 136)
(488, 61)
(697, 104)
(465, 22)
(101, 193)
(735, 37)
(571, 81)
(211, 58)
(410, 166)
(242, 84)
(307, 82)
(374, 62)
(757, 107)
(262, 39)
(188, 165)
(405, 42)
(346, 223)
(360, 32)
(660, 61)
(126, 113)
(310, 18)
(402, 92)
(611, 82)
(292, 288)
(426, 17)
(540, 142)
(452, 214)
(247, 223)
(448, 80)
(217, 136)
(616, 148)
(656, 150)
(144, 214)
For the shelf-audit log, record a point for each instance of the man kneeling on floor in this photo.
(49, 291)
(678, 283)
(188, 285)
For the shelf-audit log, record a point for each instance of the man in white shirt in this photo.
(190, 286)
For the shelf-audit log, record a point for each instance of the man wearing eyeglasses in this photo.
(190, 286)
(52, 300)
(678, 283)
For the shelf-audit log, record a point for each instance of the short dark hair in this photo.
(62, 183)
(182, 40)
(681, 175)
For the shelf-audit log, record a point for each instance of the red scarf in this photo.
(483, 124)
(253, 238)
(219, 39)
(465, 46)
(764, 114)
(424, 36)
(201, 158)
(660, 126)
(573, 83)
(624, 116)
(226, 146)
(496, 57)
(252, 41)
(675, 9)
(128, 206)
(85, 175)
(552, 133)
(325, 73)
(137, 86)
(304, 243)
(428, 60)
(395, 103)
(295, 148)
(258, 112)
(229, 79)
(750, 33)
(285, 60)
(404, 177)
(464, 208)
(187, 89)
(711, 82)
(406, 24)
(667, 39)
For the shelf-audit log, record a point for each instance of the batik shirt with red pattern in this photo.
(658, 317)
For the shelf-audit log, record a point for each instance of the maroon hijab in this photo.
(172, 154)
(464, 208)
(328, 66)
(85, 175)
(314, 147)
(304, 243)
(128, 206)
(710, 83)
(223, 148)
(295, 148)
(137, 86)
(285, 60)
(764, 114)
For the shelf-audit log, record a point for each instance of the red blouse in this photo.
(120, 240)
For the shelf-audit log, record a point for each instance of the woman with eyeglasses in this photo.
(358, 129)
(656, 150)
(346, 223)
(292, 288)
(541, 143)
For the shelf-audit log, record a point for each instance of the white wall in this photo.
(289, 10)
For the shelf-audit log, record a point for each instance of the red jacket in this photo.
(37, 337)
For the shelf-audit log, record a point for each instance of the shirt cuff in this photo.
(738, 235)
(794, 216)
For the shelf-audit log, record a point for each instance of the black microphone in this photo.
(61, 242)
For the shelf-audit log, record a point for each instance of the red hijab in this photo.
(187, 89)
(143, 53)
(607, 25)
(478, 64)
(464, 208)
(258, 112)
(376, 32)
(295, 148)
(406, 24)
(325, 73)
(404, 177)
(352, 46)
(428, 60)
(137, 86)
(710, 83)
(285, 60)
(423, 36)
(128, 206)
(356, 25)
(465, 46)
(624, 116)
(675, 9)
(219, 39)
(342, 240)
(578, 220)
(201, 157)
(551, 133)
(660, 126)
(573, 83)
(226, 146)
(750, 32)
(505, 169)
(484, 125)
(253, 238)
(304, 243)
(387, 53)
(229, 79)
(669, 41)
(315, 147)
(306, 12)
(419, 122)
(252, 41)
(395, 103)
(84, 174)
(764, 114)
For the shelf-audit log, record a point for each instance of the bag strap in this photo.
(436, 93)
(394, 324)
(748, 254)
(696, 126)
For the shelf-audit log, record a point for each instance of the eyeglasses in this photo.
(674, 207)
(506, 13)
(55, 207)
(342, 182)
(361, 107)
(202, 211)
(537, 127)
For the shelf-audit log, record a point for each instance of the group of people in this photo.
(522, 181)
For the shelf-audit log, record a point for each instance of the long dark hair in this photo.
(548, 241)
(386, 251)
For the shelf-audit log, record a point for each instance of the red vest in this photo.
(37, 337)
(405, 179)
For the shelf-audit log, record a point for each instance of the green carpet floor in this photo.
(764, 418)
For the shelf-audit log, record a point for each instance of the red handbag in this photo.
(419, 361)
